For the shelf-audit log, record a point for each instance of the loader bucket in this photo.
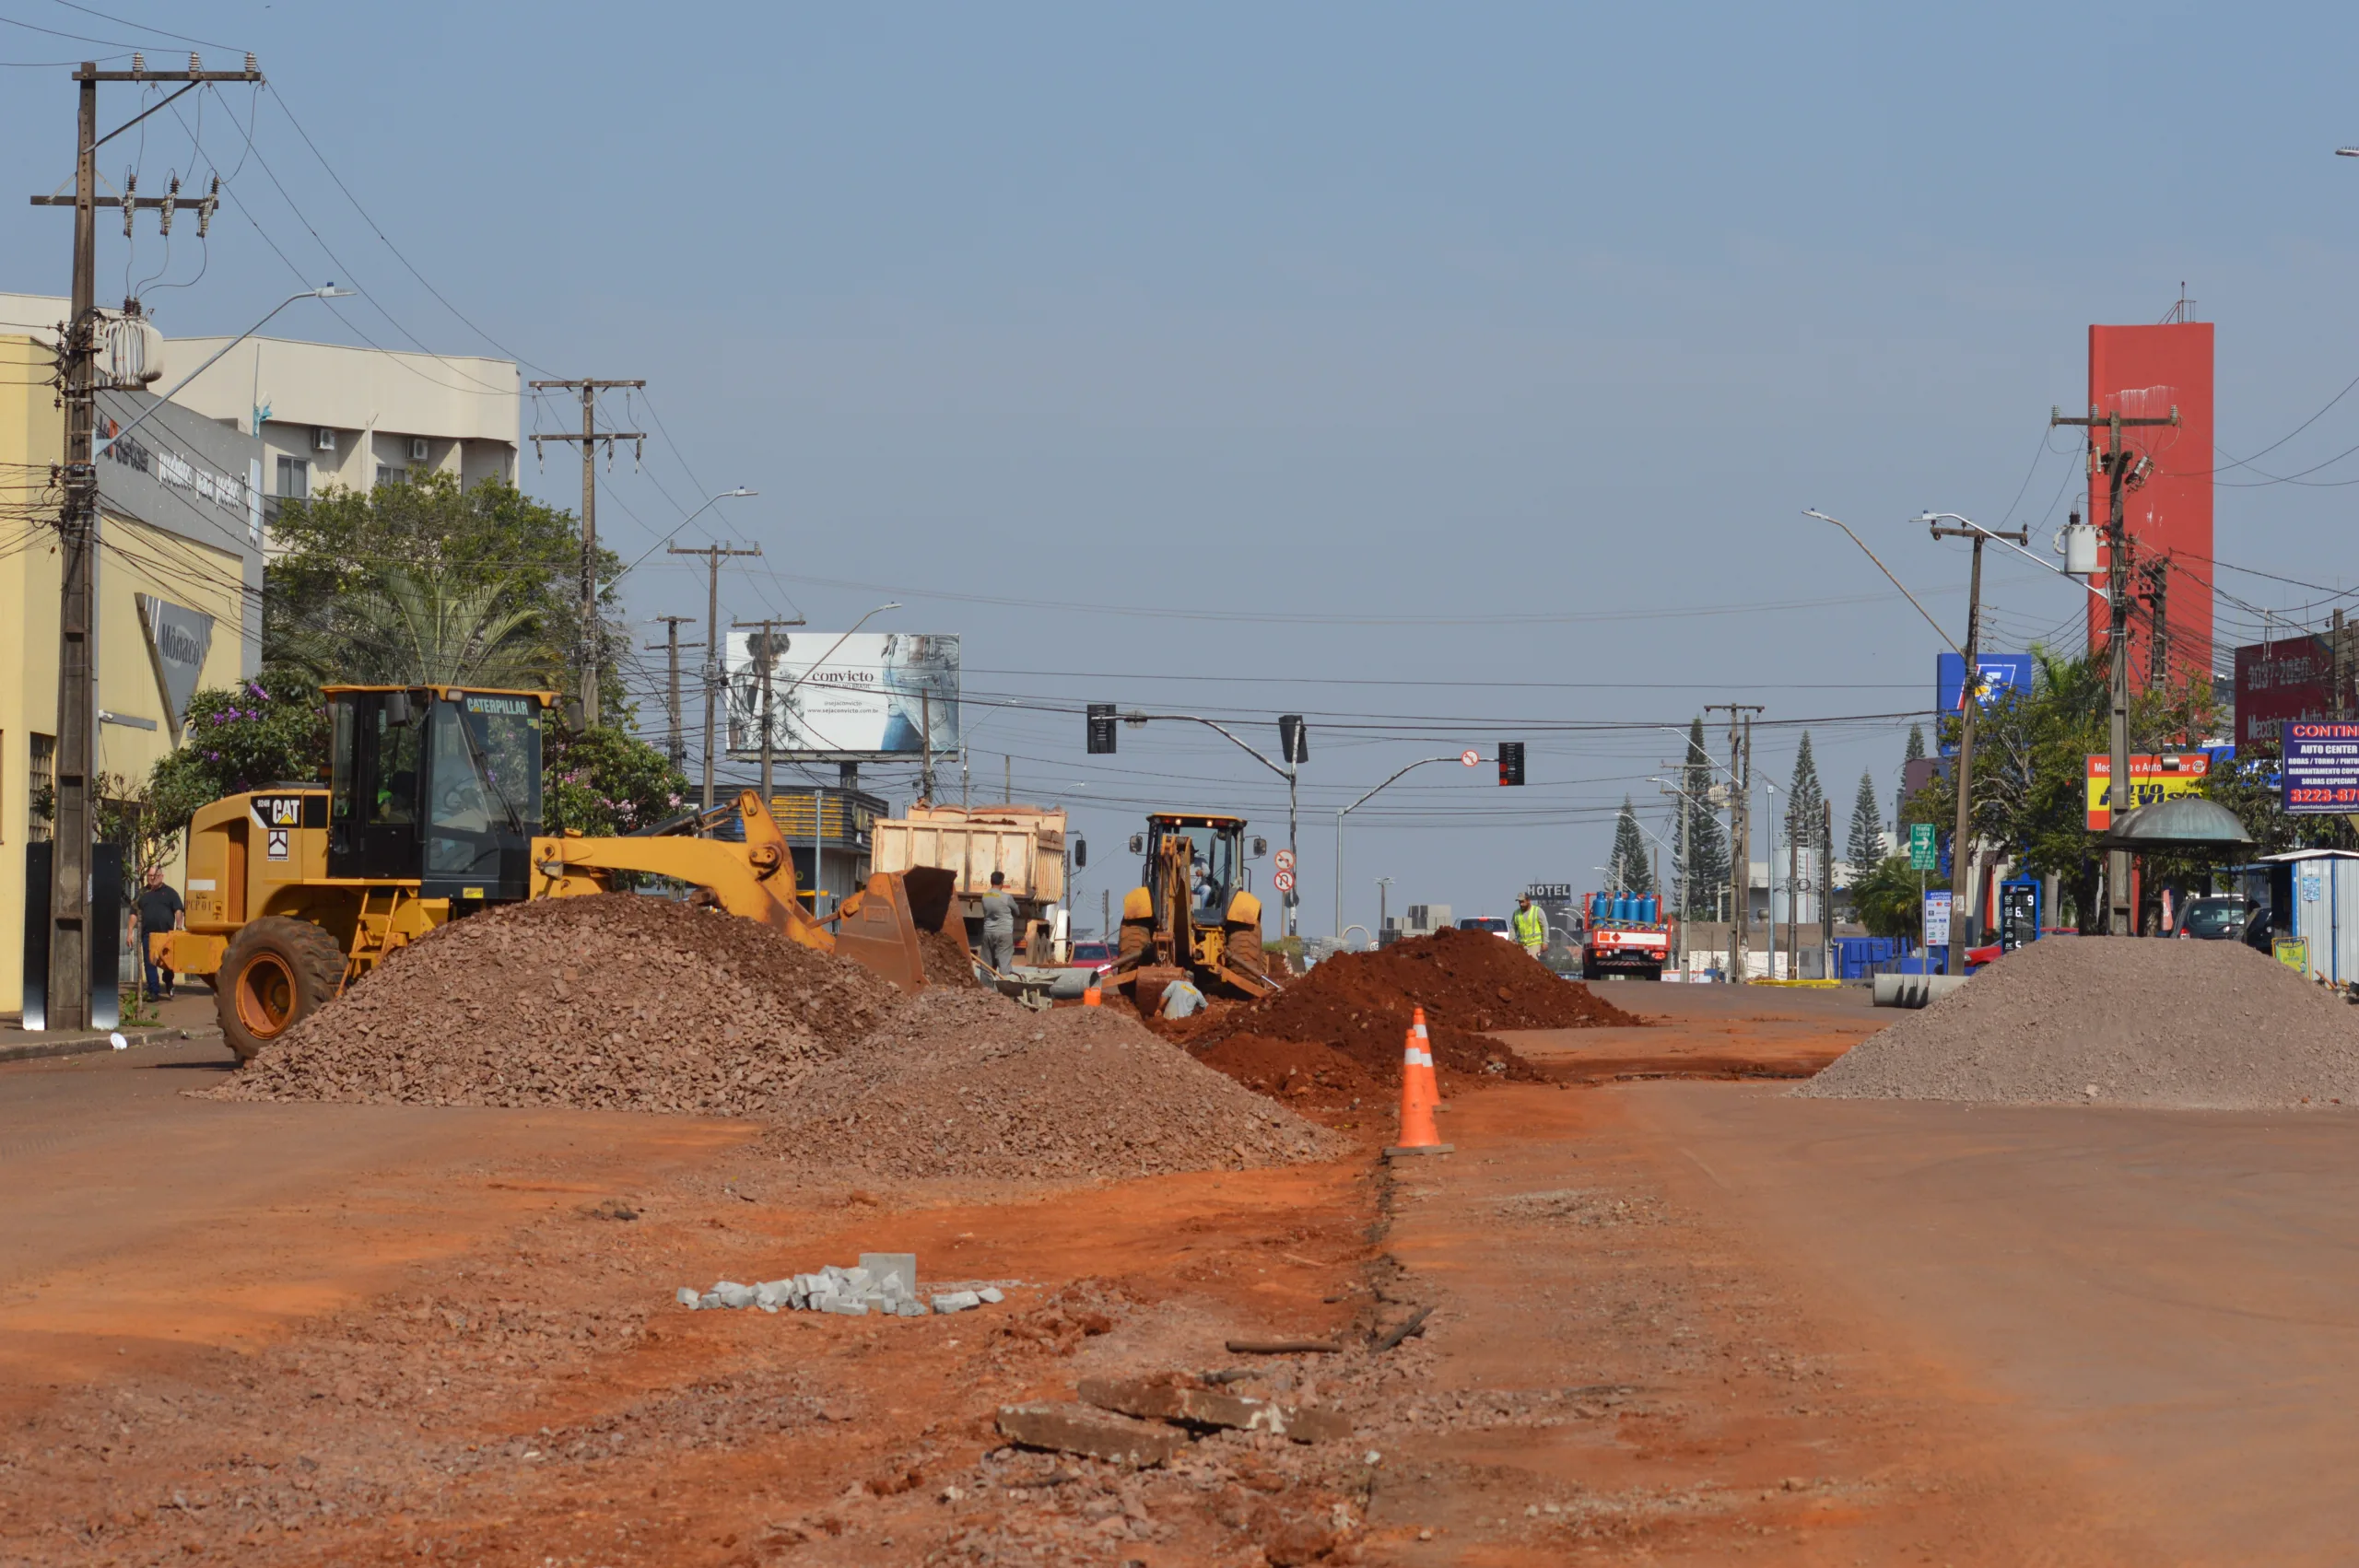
(875, 930)
(930, 890)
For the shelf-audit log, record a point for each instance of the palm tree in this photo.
(412, 628)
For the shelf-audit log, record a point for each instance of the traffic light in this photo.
(1294, 739)
(1101, 729)
(1511, 762)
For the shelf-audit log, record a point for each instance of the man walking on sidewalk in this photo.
(159, 911)
(999, 926)
(1529, 926)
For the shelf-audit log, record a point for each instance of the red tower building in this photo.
(2147, 371)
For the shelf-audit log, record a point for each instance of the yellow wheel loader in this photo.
(1192, 916)
(432, 812)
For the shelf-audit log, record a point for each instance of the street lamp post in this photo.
(325, 291)
(1468, 757)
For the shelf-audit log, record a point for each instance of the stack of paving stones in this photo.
(884, 1284)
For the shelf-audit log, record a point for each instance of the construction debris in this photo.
(2183, 1026)
(1175, 1397)
(882, 1284)
(614, 1003)
(961, 1083)
(1099, 1434)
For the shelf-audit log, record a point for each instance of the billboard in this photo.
(2152, 779)
(2002, 673)
(2321, 767)
(2144, 372)
(2289, 678)
(838, 697)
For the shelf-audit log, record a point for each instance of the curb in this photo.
(87, 1045)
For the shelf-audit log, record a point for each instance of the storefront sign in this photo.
(2321, 766)
(1937, 919)
(2152, 779)
(178, 640)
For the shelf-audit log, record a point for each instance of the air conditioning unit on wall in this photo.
(417, 449)
(323, 438)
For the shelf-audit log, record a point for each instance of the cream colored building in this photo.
(179, 589)
(330, 414)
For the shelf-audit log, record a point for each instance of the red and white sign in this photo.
(1471, 758)
(1283, 882)
(1285, 860)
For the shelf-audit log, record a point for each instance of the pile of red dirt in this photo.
(1468, 982)
(1304, 1075)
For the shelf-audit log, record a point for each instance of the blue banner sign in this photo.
(2321, 766)
(2002, 673)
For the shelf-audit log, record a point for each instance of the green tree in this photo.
(1915, 748)
(1885, 897)
(1707, 844)
(403, 626)
(604, 782)
(1865, 847)
(493, 538)
(1626, 867)
(272, 730)
(1805, 801)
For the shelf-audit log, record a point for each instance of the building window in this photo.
(389, 475)
(41, 799)
(294, 479)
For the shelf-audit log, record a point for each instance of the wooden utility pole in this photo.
(589, 438)
(677, 749)
(1969, 702)
(74, 814)
(2115, 462)
(2156, 575)
(1740, 835)
(766, 651)
(715, 670)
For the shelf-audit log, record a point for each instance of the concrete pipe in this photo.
(1914, 990)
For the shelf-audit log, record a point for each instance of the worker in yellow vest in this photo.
(1529, 926)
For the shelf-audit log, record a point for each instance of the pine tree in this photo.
(1865, 849)
(1916, 752)
(1626, 867)
(1805, 801)
(1707, 841)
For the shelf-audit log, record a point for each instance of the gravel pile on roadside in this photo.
(963, 1082)
(611, 1002)
(2181, 1025)
(1469, 983)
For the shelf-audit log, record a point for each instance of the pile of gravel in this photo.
(2182, 1025)
(612, 1002)
(963, 1082)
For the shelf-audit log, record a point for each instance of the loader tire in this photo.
(277, 973)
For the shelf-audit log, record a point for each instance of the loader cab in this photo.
(436, 785)
(1213, 850)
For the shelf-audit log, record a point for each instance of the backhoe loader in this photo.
(432, 812)
(1192, 917)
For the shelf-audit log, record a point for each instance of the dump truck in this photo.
(1024, 844)
(432, 812)
(1627, 934)
(1191, 916)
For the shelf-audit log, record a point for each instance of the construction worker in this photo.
(999, 926)
(1529, 925)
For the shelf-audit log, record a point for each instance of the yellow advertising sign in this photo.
(2152, 779)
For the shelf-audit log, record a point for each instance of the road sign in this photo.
(1937, 919)
(1283, 882)
(1471, 758)
(1922, 854)
(1285, 860)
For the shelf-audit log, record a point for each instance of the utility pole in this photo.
(765, 651)
(1969, 708)
(1827, 889)
(2115, 462)
(2341, 663)
(1740, 834)
(677, 749)
(714, 671)
(74, 818)
(589, 438)
(2156, 575)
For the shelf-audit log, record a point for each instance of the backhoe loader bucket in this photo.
(875, 929)
(930, 890)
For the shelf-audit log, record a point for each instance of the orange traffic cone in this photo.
(1420, 1093)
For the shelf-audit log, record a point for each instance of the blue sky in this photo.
(1371, 325)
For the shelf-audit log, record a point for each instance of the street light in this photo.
(325, 291)
(738, 494)
(1468, 757)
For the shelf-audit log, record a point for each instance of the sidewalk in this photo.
(188, 1016)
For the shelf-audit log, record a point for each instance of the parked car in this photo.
(1490, 923)
(2219, 916)
(1097, 956)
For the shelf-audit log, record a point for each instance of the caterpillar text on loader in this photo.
(433, 813)
(1192, 916)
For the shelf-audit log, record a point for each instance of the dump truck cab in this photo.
(1191, 916)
